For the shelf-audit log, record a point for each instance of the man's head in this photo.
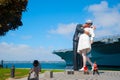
(88, 23)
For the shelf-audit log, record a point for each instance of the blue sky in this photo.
(49, 25)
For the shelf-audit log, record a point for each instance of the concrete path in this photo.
(104, 75)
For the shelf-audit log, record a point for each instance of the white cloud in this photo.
(23, 37)
(23, 52)
(64, 29)
(106, 18)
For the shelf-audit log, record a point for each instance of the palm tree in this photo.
(11, 14)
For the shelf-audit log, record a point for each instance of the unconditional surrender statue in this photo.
(77, 59)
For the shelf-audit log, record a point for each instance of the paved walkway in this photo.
(104, 75)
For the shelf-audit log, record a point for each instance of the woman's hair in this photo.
(87, 25)
(35, 63)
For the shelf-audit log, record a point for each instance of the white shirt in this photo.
(91, 32)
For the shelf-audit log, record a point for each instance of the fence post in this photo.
(13, 71)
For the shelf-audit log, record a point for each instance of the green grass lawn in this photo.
(19, 73)
(5, 73)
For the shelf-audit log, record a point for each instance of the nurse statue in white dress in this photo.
(85, 41)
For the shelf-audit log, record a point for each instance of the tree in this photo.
(11, 14)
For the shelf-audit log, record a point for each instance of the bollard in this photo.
(1, 64)
(13, 71)
(51, 74)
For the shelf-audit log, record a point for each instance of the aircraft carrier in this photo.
(105, 51)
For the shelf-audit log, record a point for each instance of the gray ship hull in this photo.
(105, 52)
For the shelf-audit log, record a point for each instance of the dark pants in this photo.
(77, 58)
(95, 71)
